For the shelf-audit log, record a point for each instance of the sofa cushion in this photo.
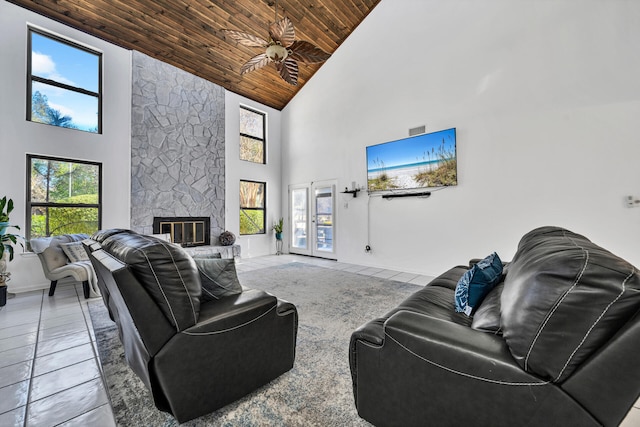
(476, 283)
(436, 299)
(563, 298)
(101, 235)
(487, 316)
(166, 271)
(218, 278)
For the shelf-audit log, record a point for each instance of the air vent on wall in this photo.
(418, 130)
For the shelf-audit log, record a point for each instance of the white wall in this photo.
(545, 97)
(236, 169)
(19, 136)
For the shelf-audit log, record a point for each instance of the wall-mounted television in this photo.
(418, 162)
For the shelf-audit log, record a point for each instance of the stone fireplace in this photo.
(177, 152)
(185, 231)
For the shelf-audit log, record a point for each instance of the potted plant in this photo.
(277, 227)
(7, 240)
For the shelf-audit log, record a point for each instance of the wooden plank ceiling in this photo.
(189, 34)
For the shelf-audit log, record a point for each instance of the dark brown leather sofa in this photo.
(194, 356)
(555, 343)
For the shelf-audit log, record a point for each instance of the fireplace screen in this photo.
(185, 231)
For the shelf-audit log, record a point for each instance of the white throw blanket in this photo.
(94, 290)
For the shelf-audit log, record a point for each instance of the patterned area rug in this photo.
(316, 392)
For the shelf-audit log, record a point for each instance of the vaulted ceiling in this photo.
(189, 34)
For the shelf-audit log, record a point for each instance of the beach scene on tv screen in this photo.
(422, 161)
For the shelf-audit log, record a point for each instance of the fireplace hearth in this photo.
(185, 231)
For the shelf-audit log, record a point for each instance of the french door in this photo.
(312, 218)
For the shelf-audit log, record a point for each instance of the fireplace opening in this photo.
(185, 231)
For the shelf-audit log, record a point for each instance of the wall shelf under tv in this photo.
(419, 194)
(354, 192)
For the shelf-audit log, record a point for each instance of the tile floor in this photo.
(49, 369)
(49, 373)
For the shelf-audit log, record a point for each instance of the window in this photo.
(63, 196)
(252, 207)
(252, 139)
(64, 81)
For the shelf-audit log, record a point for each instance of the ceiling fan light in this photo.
(277, 53)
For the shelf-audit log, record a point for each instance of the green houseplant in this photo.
(7, 239)
(277, 227)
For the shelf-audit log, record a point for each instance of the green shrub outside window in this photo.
(252, 207)
(63, 196)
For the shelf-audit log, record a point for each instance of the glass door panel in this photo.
(312, 219)
(324, 219)
(299, 218)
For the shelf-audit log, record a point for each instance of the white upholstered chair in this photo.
(64, 256)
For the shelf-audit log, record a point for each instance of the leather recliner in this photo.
(194, 356)
(554, 343)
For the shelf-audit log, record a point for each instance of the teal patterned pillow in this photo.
(476, 283)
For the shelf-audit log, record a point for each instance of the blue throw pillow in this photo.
(476, 283)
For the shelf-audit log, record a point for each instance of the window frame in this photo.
(263, 139)
(31, 78)
(29, 204)
(263, 209)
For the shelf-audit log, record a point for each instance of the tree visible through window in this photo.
(64, 83)
(252, 139)
(252, 207)
(63, 196)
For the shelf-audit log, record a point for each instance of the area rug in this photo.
(316, 392)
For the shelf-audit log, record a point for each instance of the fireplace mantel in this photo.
(229, 252)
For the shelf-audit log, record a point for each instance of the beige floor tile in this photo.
(15, 417)
(62, 343)
(16, 355)
(632, 419)
(15, 373)
(66, 405)
(61, 359)
(101, 416)
(13, 396)
(63, 379)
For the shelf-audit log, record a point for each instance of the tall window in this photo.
(253, 212)
(63, 83)
(252, 136)
(63, 196)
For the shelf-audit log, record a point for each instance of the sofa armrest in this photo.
(445, 345)
(239, 343)
(433, 369)
(456, 348)
(232, 312)
(285, 308)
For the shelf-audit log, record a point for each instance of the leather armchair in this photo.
(193, 356)
(555, 343)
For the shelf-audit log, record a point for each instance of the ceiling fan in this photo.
(281, 49)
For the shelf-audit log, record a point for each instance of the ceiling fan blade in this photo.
(246, 39)
(255, 63)
(283, 32)
(288, 70)
(307, 52)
